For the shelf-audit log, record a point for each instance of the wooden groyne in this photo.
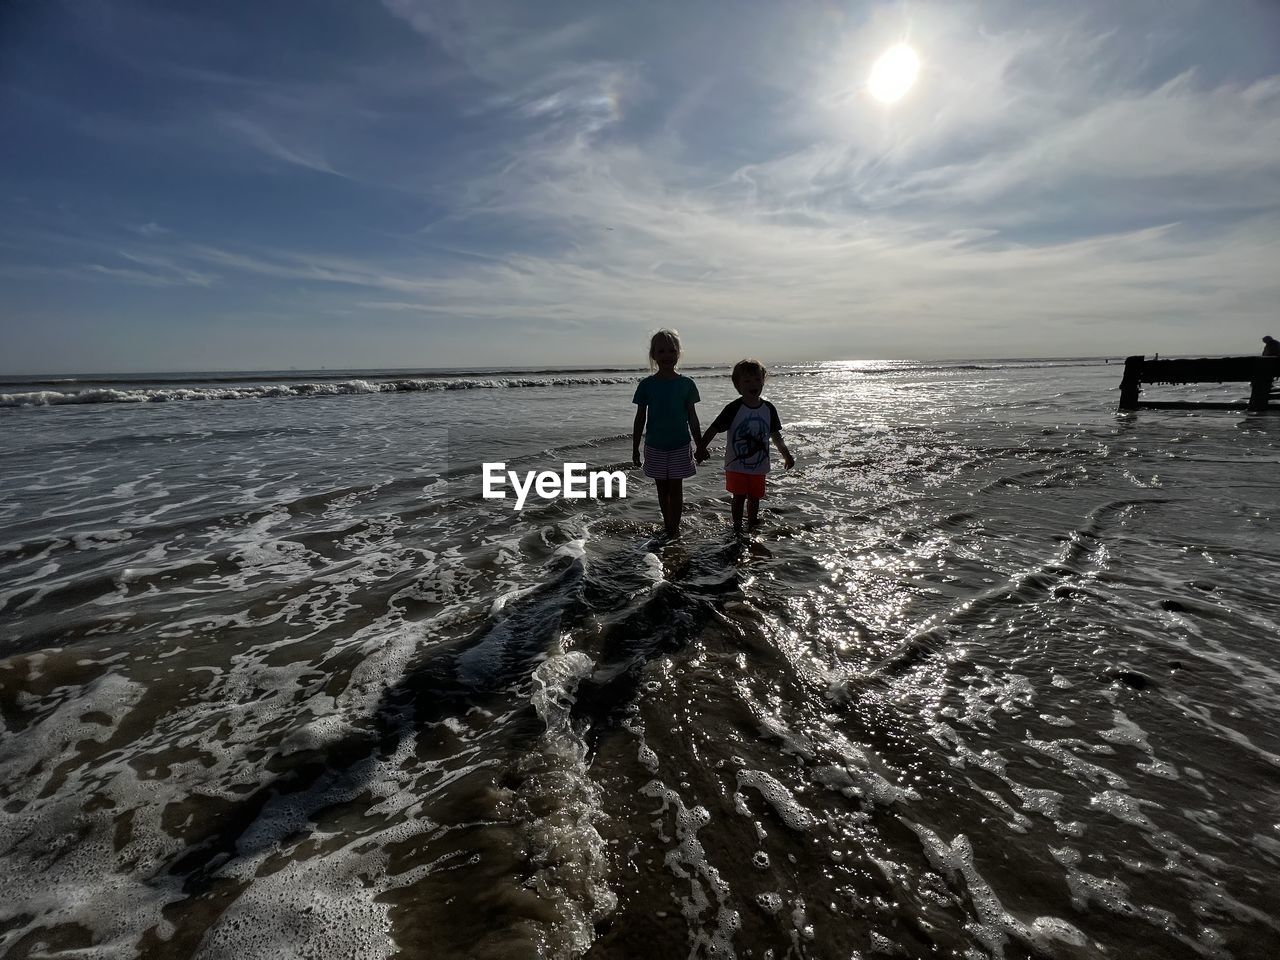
(1259, 372)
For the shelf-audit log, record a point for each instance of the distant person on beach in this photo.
(751, 422)
(666, 401)
(1270, 347)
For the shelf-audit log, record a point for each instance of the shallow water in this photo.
(997, 677)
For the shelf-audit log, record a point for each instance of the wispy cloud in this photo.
(148, 271)
(143, 277)
(272, 144)
(166, 268)
(151, 230)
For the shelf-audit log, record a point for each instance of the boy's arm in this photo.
(787, 459)
(775, 434)
(719, 425)
(637, 431)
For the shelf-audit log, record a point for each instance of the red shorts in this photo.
(751, 484)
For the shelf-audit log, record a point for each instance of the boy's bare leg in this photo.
(753, 512)
(738, 500)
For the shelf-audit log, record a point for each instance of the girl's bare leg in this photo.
(753, 512)
(675, 506)
(738, 500)
(664, 501)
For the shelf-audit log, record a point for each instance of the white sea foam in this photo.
(706, 906)
(564, 805)
(64, 864)
(783, 802)
(307, 909)
(769, 902)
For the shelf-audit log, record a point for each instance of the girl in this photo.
(667, 400)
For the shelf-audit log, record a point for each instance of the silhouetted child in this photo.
(666, 399)
(751, 422)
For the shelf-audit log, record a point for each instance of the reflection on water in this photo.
(996, 679)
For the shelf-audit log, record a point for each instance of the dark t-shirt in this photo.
(667, 403)
(746, 448)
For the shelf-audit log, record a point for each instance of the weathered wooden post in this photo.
(1264, 371)
(1131, 385)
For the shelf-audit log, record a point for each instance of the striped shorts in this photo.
(669, 464)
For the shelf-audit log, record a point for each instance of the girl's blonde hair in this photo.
(666, 333)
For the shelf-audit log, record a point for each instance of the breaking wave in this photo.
(249, 386)
(39, 398)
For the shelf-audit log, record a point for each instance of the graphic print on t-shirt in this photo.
(749, 441)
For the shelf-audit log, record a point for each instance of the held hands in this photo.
(788, 460)
(700, 453)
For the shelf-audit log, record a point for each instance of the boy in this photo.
(750, 422)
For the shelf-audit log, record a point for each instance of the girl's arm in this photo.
(787, 459)
(637, 431)
(695, 430)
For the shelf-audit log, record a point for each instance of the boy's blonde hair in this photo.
(748, 366)
(666, 333)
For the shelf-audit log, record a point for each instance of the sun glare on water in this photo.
(893, 74)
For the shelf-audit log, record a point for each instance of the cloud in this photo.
(1037, 179)
(1224, 141)
(167, 271)
(271, 144)
(722, 166)
(140, 277)
(148, 271)
(886, 293)
(502, 43)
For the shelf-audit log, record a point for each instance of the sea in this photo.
(997, 675)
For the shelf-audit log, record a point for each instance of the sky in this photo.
(266, 185)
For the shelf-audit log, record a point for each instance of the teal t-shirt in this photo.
(667, 426)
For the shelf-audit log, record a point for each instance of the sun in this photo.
(893, 74)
